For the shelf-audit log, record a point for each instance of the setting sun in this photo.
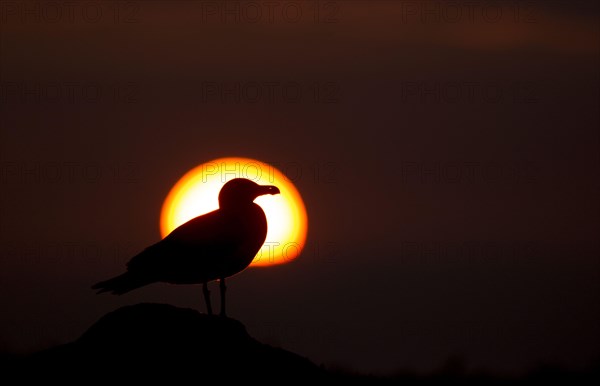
(196, 194)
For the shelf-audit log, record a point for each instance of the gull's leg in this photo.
(206, 293)
(223, 288)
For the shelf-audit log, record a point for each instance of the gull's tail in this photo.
(120, 284)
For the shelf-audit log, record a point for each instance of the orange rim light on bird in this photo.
(196, 193)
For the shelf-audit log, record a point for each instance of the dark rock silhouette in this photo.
(150, 343)
(159, 341)
(211, 247)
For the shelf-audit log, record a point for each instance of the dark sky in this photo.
(448, 158)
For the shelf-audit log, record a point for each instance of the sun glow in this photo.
(197, 191)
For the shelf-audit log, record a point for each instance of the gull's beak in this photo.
(267, 189)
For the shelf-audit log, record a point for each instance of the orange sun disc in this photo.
(196, 193)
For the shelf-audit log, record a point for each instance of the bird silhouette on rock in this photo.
(210, 247)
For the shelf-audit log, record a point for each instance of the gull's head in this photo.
(241, 191)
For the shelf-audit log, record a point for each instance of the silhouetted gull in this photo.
(210, 247)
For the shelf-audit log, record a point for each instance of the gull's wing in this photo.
(198, 248)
